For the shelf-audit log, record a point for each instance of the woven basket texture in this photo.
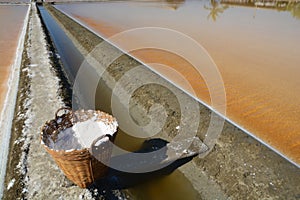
(83, 166)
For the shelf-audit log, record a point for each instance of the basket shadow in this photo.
(132, 169)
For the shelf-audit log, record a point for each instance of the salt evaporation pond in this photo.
(256, 51)
(12, 21)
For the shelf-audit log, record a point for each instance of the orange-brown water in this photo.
(11, 21)
(256, 52)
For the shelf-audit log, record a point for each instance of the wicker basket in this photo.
(83, 166)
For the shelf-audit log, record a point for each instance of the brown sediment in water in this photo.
(259, 73)
(12, 18)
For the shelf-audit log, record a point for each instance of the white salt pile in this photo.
(82, 135)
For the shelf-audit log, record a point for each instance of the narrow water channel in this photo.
(173, 186)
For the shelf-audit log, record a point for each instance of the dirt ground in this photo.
(238, 167)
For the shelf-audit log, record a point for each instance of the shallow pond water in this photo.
(254, 46)
(12, 21)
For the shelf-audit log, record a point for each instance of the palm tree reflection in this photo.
(215, 9)
(174, 4)
(294, 8)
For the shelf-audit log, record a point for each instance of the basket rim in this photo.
(84, 149)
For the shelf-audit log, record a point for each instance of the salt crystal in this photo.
(88, 131)
(11, 183)
(82, 135)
